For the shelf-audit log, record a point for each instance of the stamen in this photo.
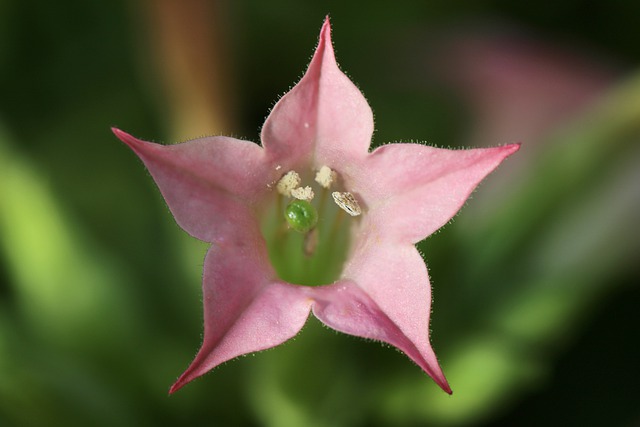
(288, 182)
(347, 203)
(325, 176)
(324, 193)
(301, 193)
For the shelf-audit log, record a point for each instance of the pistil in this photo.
(308, 241)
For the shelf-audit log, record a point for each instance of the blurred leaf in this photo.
(68, 296)
(64, 286)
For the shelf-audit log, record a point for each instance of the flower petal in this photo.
(244, 310)
(209, 184)
(411, 190)
(323, 115)
(385, 296)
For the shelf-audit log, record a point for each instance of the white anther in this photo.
(303, 193)
(347, 203)
(288, 182)
(325, 176)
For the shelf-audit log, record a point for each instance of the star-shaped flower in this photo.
(281, 247)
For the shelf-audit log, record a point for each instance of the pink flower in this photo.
(357, 270)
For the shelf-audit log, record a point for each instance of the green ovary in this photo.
(301, 216)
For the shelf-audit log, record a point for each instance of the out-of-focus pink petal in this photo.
(245, 308)
(324, 116)
(209, 184)
(384, 295)
(520, 88)
(411, 190)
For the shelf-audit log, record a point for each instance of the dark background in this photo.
(535, 317)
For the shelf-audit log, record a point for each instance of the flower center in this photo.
(307, 229)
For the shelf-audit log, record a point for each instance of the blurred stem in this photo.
(190, 42)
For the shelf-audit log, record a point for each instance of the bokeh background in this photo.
(535, 317)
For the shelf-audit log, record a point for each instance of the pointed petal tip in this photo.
(134, 143)
(124, 136)
(446, 388)
(515, 146)
(326, 25)
(186, 377)
(325, 32)
(438, 376)
(507, 150)
(175, 387)
(117, 132)
(512, 147)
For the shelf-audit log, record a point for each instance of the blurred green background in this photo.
(535, 318)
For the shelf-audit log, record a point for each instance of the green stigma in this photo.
(301, 216)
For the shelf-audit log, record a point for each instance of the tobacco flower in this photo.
(311, 221)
